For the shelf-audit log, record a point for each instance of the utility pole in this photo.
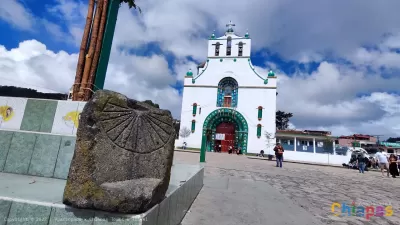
(112, 14)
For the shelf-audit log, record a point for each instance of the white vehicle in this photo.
(352, 152)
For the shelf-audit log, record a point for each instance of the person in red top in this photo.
(279, 154)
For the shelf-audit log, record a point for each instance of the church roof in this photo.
(232, 35)
(201, 65)
(229, 32)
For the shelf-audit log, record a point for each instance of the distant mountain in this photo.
(11, 91)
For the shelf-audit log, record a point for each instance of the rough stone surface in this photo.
(123, 155)
(236, 192)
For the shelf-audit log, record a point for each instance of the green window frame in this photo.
(260, 111)
(193, 125)
(194, 109)
(259, 130)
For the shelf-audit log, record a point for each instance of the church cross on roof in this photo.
(230, 26)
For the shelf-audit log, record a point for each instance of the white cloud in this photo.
(16, 14)
(32, 65)
(345, 98)
(330, 99)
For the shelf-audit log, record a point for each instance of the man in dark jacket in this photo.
(361, 163)
(279, 154)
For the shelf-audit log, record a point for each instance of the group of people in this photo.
(382, 161)
(388, 163)
(231, 149)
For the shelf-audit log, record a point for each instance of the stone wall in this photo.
(37, 136)
(36, 154)
(40, 115)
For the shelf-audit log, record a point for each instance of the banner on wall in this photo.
(66, 118)
(11, 112)
(220, 137)
(80, 109)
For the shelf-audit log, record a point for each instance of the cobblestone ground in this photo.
(312, 187)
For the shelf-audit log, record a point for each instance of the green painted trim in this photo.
(215, 117)
(239, 38)
(112, 14)
(259, 130)
(252, 68)
(194, 109)
(390, 144)
(194, 78)
(228, 57)
(203, 148)
(212, 86)
(260, 111)
(193, 126)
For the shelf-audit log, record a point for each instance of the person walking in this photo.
(393, 166)
(383, 162)
(361, 163)
(279, 154)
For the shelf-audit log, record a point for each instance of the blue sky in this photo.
(337, 61)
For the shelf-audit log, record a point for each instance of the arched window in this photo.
(240, 49)
(228, 46)
(227, 95)
(217, 48)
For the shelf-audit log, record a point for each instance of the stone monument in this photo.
(123, 155)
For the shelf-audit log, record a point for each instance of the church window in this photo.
(260, 108)
(229, 46)
(227, 94)
(194, 109)
(193, 125)
(217, 48)
(199, 110)
(240, 48)
(259, 130)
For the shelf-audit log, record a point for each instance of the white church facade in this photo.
(226, 101)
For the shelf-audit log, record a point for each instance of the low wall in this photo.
(42, 202)
(37, 154)
(40, 115)
(316, 157)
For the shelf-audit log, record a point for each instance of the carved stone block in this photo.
(123, 155)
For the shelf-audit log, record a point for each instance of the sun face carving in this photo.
(135, 127)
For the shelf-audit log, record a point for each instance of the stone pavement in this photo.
(238, 190)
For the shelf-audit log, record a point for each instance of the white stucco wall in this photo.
(234, 47)
(252, 93)
(317, 157)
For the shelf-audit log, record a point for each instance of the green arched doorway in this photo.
(213, 120)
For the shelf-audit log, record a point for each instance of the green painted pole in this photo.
(112, 14)
(203, 149)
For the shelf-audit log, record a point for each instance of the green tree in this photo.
(282, 120)
(152, 103)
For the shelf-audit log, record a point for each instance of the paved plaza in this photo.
(238, 190)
